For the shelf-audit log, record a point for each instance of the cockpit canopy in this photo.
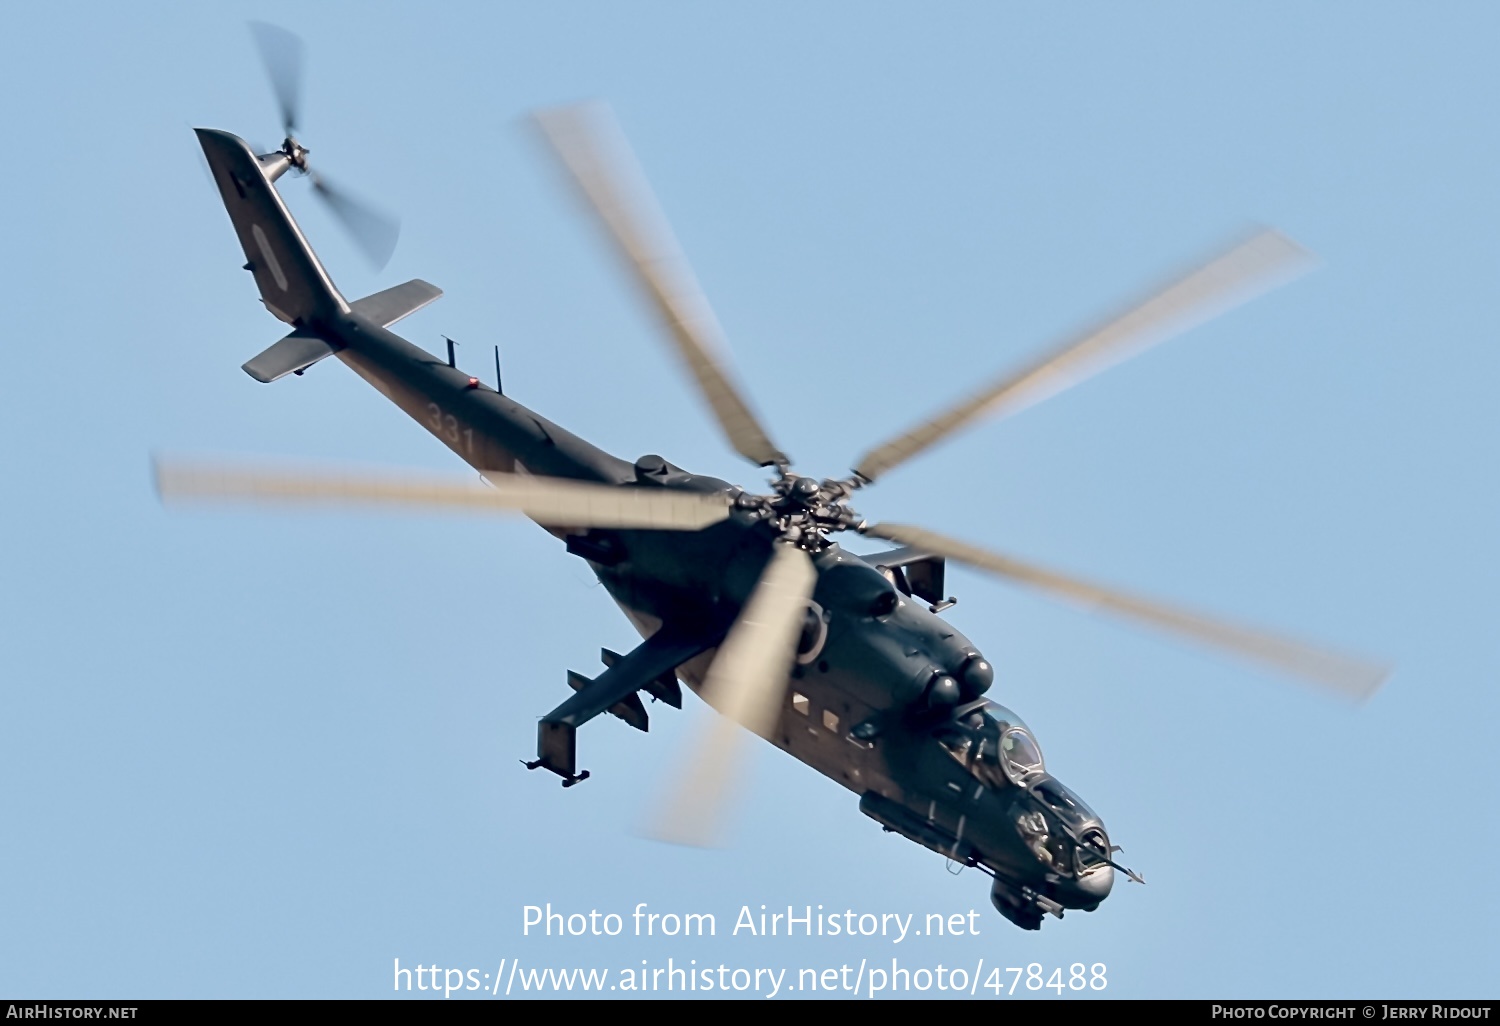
(996, 746)
(1020, 755)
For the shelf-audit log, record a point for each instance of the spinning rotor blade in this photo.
(281, 53)
(591, 146)
(373, 231)
(546, 500)
(1350, 677)
(1235, 276)
(746, 684)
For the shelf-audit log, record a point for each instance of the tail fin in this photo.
(292, 282)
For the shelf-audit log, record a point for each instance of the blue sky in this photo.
(266, 755)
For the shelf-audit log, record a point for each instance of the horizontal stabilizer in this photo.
(291, 355)
(387, 307)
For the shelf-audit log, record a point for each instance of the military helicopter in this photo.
(842, 660)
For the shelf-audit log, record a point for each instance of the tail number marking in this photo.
(446, 427)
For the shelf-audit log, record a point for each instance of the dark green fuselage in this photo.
(857, 707)
(872, 666)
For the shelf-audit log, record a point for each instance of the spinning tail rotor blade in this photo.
(746, 684)
(592, 148)
(373, 231)
(281, 52)
(1240, 273)
(1349, 677)
(546, 500)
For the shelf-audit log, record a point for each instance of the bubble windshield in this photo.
(1020, 754)
(995, 745)
(1064, 801)
(1007, 717)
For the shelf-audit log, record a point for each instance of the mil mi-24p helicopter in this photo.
(841, 660)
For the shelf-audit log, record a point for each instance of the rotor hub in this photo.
(296, 153)
(804, 510)
(281, 52)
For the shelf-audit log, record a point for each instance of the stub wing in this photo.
(655, 657)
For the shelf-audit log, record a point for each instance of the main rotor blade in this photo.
(746, 684)
(590, 144)
(551, 501)
(1242, 272)
(373, 231)
(281, 53)
(1352, 678)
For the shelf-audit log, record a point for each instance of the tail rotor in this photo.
(372, 230)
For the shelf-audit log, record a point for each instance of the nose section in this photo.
(1095, 885)
(1093, 877)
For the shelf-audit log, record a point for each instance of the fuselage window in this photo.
(799, 703)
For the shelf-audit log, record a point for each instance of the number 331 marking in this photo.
(445, 425)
